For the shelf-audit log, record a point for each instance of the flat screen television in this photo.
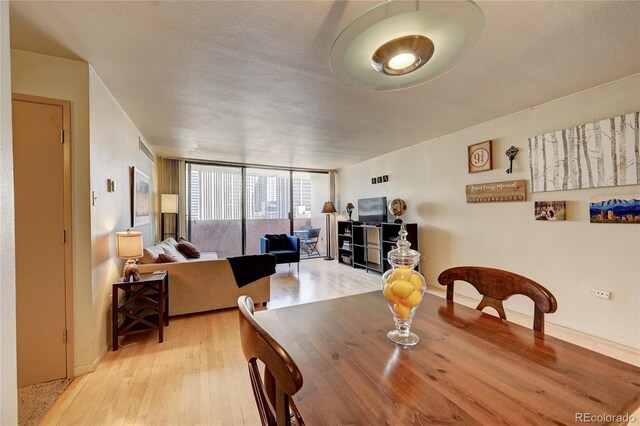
(372, 210)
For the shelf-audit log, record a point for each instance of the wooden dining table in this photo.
(468, 368)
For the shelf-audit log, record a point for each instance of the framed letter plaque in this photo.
(479, 157)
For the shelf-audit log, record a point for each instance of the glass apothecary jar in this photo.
(403, 288)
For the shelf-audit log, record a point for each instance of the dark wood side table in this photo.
(145, 306)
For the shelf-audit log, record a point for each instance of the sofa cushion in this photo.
(172, 250)
(166, 258)
(285, 256)
(188, 249)
(171, 242)
(151, 254)
(278, 242)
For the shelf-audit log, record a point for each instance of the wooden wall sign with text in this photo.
(497, 192)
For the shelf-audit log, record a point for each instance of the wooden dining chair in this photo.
(282, 378)
(496, 285)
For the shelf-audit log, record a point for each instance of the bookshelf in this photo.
(345, 242)
(367, 246)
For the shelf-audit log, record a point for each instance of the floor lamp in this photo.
(169, 205)
(328, 209)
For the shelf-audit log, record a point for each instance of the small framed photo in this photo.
(479, 157)
(550, 210)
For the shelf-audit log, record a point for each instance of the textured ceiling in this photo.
(249, 82)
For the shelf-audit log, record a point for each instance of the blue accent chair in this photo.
(286, 248)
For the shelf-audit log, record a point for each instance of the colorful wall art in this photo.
(593, 155)
(615, 209)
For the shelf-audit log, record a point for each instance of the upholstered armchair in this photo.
(286, 248)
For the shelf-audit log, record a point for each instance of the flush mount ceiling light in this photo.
(400, 44)
(402, 55)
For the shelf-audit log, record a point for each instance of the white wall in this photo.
(569, 258)
(8, 380)
(114, 149)
(104, 145)
(47, 76)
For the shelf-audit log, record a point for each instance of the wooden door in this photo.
(39, 173)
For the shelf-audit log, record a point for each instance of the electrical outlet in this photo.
(600, 293)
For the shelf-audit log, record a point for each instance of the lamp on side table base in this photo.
(129, 246)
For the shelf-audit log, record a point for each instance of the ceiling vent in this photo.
(146, 150)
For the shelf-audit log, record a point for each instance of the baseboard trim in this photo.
(79, 370)
(598, 344)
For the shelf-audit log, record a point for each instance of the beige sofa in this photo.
(205, 284)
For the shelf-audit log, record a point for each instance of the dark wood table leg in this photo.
(161, 311)
(114, 317)
(165, 283)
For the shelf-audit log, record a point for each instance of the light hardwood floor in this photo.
(199, 375)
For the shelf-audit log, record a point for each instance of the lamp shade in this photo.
(169, 203)
(328, 207)
(129, 245)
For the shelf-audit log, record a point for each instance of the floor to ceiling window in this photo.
(267, 206)
(310, 191)
(231, 207)
(214, 205)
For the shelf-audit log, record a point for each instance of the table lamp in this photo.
(350, 208)
(328, 208)
(129, 246)
(169, 205)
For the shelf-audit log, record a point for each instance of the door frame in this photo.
(68, 218)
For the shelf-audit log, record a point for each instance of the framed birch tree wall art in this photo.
(593, 155)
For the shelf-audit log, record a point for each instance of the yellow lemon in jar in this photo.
(390, 279)
(402, 273)
(388, 294)
(414, 299)
(416, 281)
(402, 311)
(402, 288)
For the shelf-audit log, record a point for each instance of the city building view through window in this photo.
(275, 202)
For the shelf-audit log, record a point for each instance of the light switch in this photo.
(94, 198)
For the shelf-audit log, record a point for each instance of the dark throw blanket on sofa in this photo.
(247, 269)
